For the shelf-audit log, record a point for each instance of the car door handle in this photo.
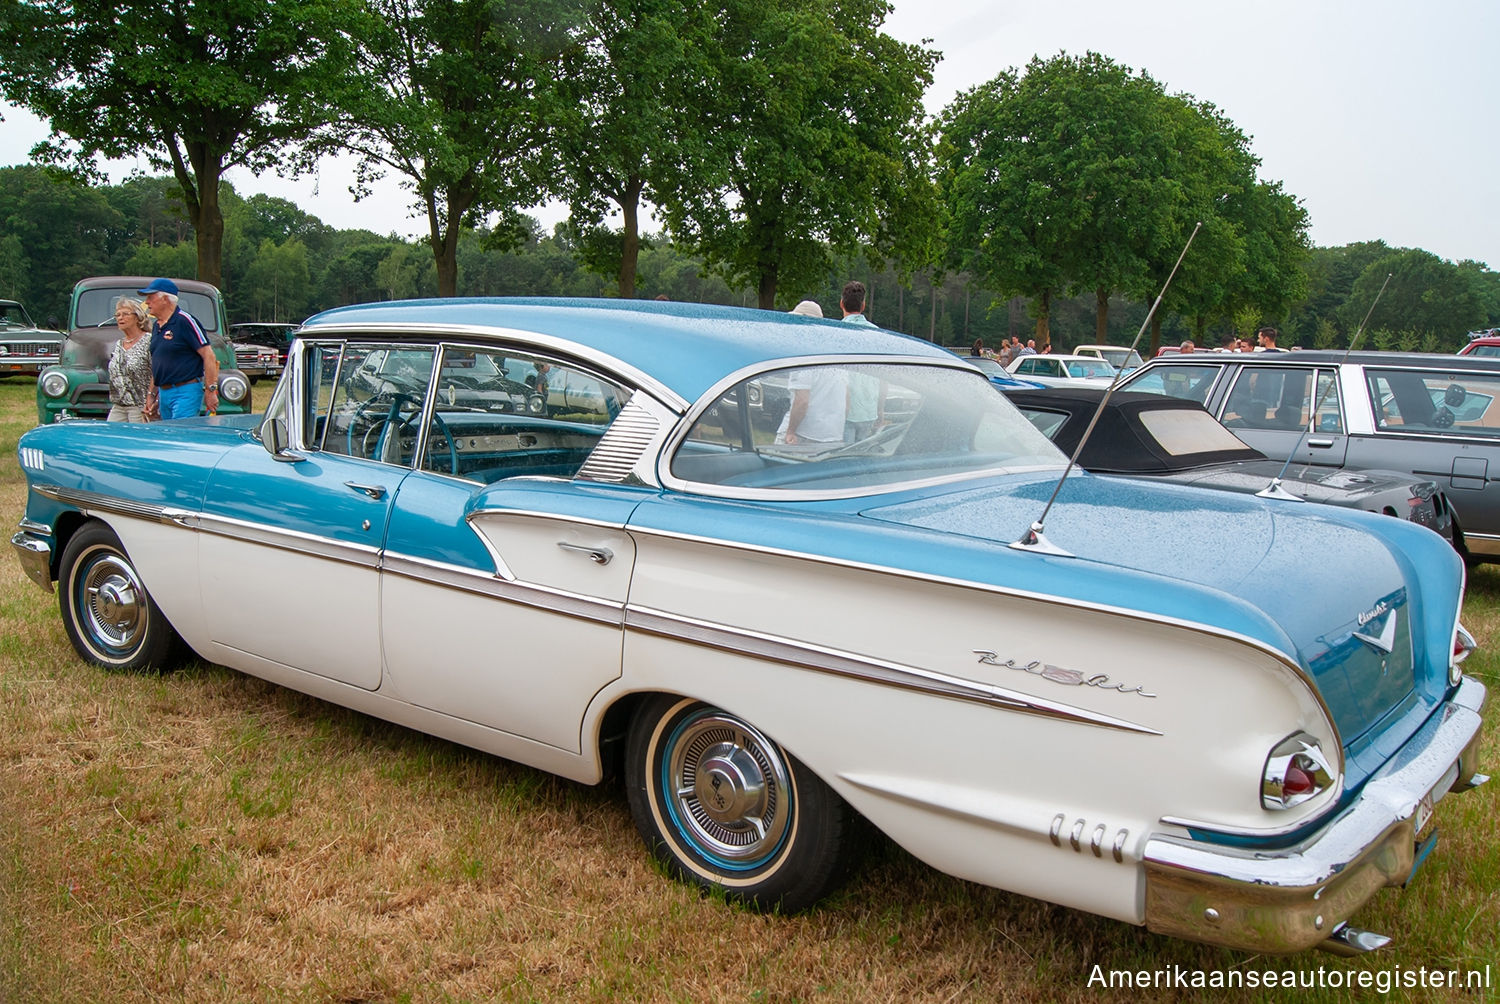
(598, 555)
(1321, 444)
(376, 492)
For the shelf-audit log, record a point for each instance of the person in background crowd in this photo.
(852, 302)
(1266, 337)
(978, 349)
(130, 363)
(184, 372)
(807, 308)
(1186, 346)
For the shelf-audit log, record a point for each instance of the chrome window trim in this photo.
(678, 435)
(487, 337)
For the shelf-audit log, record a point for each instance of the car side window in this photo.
(1191, 383)
(499, 413)
(1281, 397)
(377, 401)
(1433, 401)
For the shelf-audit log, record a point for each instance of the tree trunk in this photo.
(1101, 316)
(766, 291)
(198, 177)
(1043, 324)
(444, 241)
(630, 251)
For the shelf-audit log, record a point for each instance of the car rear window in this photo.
(1435, 401)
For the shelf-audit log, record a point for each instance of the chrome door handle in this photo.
(1321, 444)
(376, 492)
(598, 555)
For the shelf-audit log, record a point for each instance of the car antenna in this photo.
(1034, 539)
(1274, 489)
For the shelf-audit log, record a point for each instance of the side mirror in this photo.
(273, 438)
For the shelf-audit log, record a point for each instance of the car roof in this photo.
(1404, 360)
(137, 281)
(687, 347)
(1120, 443)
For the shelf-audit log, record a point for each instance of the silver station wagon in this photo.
(1435, 416)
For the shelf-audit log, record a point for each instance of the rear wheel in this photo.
(109, 617)
(724, 806)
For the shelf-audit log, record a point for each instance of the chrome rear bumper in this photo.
(1291, 898)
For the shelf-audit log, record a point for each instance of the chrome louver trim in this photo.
(622, 446)
(839, 663)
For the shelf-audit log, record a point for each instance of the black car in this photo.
(1171, 439)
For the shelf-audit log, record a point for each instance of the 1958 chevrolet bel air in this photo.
(768, 634)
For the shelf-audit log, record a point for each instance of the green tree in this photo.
(629, 130)
(277, 282)
(1425, 295)
(811, 119)
(64, 228)
(212, 86)
(456, 98)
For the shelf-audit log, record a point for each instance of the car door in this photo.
(305, 579)
(504, 578)
(1288, 411)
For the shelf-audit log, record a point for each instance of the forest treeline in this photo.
(781, 145)
(283, 264)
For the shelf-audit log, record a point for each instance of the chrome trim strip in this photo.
(95, 502)
(847, 664)
(295, 541)
(1195, 627)
(486, 337)
(531, 594)
(32, 526)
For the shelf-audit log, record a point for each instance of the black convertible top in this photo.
(1121, 443)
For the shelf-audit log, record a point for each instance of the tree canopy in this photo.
(196, 89)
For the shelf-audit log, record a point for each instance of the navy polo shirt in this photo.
(174, 349)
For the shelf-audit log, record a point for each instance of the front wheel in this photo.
(724, 807)
(109, 617)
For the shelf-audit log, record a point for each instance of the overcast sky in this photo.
(1381, 116)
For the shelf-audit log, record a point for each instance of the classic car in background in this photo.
(24, 348)
(1154, 436)
(1001, 377)
(1063, 371)
(1482, 343)
(78, 385)
(1432, 416)
(1243, 733)
(260, 347)
(1121, 357)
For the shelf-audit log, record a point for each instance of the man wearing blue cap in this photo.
(184, 372)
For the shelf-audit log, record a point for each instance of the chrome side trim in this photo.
(531, 594)
(859, 667)
(94, 502)
(362, 555)
(1195, 627)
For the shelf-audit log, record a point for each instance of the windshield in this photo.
(12, 315)
(851, 429)
(96, 307)
(1090, 368)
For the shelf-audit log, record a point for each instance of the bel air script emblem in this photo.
(1066, 677)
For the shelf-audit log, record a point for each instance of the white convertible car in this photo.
(1226, 718)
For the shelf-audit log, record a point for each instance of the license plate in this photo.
(1424, 812)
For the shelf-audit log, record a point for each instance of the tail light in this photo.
(1296, 770)
(1463, 644)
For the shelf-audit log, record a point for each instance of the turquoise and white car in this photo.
(1225, 718)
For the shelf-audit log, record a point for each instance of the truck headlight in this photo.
(54, 384)
(233, 388)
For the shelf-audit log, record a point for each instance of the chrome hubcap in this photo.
(112, 604)
(730, 788)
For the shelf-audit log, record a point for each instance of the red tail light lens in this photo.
(1296, 770)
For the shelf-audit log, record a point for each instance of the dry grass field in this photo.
(202, 836)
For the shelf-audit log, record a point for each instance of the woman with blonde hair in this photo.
(130, 362)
